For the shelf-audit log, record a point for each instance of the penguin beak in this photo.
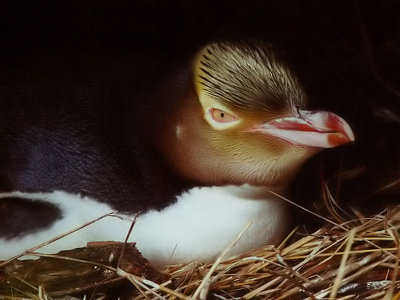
(320, 129)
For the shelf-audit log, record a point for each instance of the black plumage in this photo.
(80, 146)
(80, 132)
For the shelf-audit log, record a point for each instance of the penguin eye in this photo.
(221, 116)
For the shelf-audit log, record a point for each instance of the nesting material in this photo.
(358, 259)
(93, 270)
(355, 260)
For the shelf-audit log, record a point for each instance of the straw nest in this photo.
(357, 259)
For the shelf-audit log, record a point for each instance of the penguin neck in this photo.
(188, 144)
(184, 142)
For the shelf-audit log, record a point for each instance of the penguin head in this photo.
(246, 120)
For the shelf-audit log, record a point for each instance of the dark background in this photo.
(346, 54)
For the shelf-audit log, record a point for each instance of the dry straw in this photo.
(357, 259)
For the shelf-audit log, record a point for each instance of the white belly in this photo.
(200, 225)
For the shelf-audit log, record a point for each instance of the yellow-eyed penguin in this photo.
(196, 156)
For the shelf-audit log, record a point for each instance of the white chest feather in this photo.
(200, 225)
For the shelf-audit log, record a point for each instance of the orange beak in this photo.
(320, 129)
